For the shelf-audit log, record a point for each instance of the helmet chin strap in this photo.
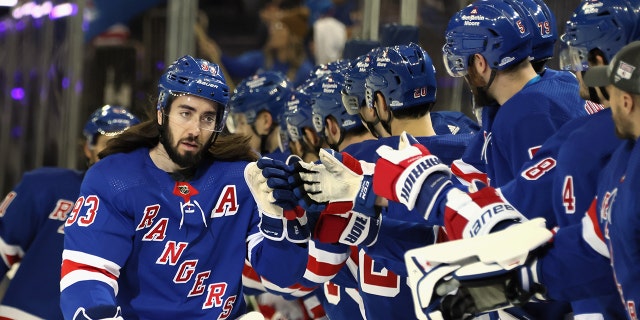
(386, 124)
(335, 146)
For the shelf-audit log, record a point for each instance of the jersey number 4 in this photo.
(568, 195)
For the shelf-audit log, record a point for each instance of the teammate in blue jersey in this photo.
(381, 280)
(164, 222)
(616, 211)
(255, 107)
(575, 266)
(32, 218)
(521, 109)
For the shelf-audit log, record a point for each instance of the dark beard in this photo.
(477, 84)
(187, 160)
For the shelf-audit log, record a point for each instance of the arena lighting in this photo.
(8, 3)
(63, 10)
(17, 93)
(45, 9)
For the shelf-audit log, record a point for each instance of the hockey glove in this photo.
(461, 278)
(477, 213)
(273, 224)
(480, 289)
(351, 228)
(281, 194)
(338, 184)
(410, 171)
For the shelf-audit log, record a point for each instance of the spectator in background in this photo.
(283, 51)
(329, 34)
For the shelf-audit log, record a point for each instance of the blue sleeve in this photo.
(571, 270)
(395, 238)
(473, 153)
(98, 241)
(19, 221)
(245, 64)
(281, 262)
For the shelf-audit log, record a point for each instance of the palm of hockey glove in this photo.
(273, 224)
(338, 184)
(402, 175)
(477, 213)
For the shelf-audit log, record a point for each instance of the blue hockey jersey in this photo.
(579, 264)
(31, 231)
(165, 249)
(514, 131)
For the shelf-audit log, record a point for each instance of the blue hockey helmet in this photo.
(542, 26)
(322, 69)
(355, 76)
(196, 77)
(109, 121)
(298, 114)
(265, 91)
(404, 74)
(606, 25)
(491, 28)
(326, 100)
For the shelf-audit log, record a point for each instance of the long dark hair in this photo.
(227, 147)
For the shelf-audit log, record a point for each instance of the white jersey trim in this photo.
(592, 239)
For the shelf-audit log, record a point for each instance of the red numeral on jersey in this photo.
(539, 169)
(568, 197)
(89, 216)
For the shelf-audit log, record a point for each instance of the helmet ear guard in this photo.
(326, 100)
(403, 74)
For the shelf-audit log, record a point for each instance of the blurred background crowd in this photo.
(61, 59)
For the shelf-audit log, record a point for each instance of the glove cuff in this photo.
(410, 182)
(272, 227)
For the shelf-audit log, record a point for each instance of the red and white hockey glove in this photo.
(410, 171)
(351, 228)
(477, 213)
(338, 184)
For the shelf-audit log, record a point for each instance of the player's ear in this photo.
(268, 119)
(381, 104)
(479, 62)
(311, 136)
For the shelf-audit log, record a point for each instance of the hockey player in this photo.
(255, 106)
(503, 81)
(380, 280)
(572, 267)
(32, 223)
(164, 222)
